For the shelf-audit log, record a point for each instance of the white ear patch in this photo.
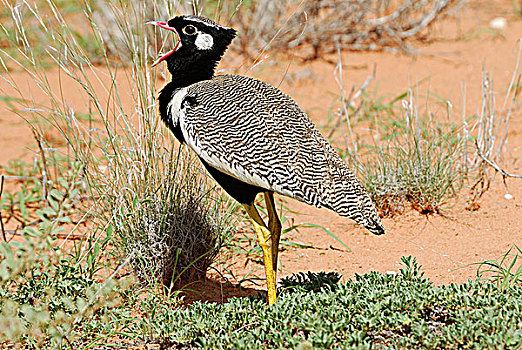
(204, 41)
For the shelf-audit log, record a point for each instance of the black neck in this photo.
(188, 72)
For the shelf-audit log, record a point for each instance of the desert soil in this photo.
(445, 244)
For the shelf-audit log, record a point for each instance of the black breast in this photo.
(241, 191)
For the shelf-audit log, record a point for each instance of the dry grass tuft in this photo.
(415, 160)
(143, 188)
(315, 27)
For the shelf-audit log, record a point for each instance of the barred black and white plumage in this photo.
(252, 138)
(255, 133)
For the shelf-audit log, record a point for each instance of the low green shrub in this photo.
(46, 298)
(371, 311)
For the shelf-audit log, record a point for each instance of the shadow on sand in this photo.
(213, 290)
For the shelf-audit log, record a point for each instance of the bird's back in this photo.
(254, 132)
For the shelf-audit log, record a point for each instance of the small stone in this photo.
(391, 273)
(498, 23)
(508, 196)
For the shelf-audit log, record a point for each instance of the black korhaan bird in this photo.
(252, 138)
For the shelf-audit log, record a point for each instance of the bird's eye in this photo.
(190, 30)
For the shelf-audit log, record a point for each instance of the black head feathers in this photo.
(200, 43)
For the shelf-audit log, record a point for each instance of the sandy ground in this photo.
(445, 245)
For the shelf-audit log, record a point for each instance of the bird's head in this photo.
(197, 39)
(375, 226)
(365, 214)
(370, 218)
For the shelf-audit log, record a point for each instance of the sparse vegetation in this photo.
(147, 204)
(141, 185)
(417, 161)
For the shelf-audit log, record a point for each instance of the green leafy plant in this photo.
(45, 297)
(412, 269)
(310, 281)
(45, 292)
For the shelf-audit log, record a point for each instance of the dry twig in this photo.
(494, 165)
(351, 99)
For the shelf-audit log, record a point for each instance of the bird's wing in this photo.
(257, 134)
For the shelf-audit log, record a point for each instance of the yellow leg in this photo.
(274, 225)
(263, 235)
